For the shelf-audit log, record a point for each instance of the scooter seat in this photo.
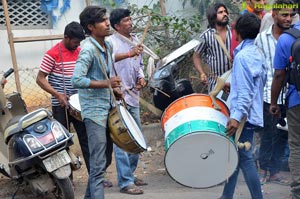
(13, 125)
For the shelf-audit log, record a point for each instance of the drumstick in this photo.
(149, 106)
(146, 29)
(145, 32)
(160, 91)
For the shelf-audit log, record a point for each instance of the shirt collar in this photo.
(214, 30)
(269, 30)
(244, 43)
(98, 45)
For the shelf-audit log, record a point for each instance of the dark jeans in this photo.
(246, 163)
(97, 146)
(60, 115)
(273, 143)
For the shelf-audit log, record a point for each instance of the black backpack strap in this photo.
(293, 32)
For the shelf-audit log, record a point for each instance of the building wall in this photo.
(29, 54)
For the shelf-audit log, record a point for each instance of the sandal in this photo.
(139, 182)
(279, 180)
(264, 178)
(107, 184)
(131, 189)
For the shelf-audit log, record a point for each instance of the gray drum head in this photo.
(201, 159)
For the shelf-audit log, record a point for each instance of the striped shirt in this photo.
(60, 67)
(214, 55)
(95, 102)
(267, 43)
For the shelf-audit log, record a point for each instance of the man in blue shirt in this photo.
(92, 77)
(281, 61)
(246, 93)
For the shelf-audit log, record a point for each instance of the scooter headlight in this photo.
(33, 143)
(57, 130)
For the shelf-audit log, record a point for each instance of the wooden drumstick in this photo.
(165, 94)
(146, 29)
(143, 102)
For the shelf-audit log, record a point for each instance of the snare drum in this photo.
(75, 109)
(198, 152)
(124, 131)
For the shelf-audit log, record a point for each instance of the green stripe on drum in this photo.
(192, 127)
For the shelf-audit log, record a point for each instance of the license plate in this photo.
(57, 160)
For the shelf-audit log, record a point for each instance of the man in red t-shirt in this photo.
(58, 65)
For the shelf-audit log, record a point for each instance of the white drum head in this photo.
(201, 159)
(74, 102)
(133, 128)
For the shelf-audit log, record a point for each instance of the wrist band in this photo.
(129, 55)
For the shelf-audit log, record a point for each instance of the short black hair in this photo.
(91, 15)
(74, 30)
(247, 25)
(211, 14)
(117, 15)
(283, 4)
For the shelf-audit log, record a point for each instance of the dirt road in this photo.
(151, 169)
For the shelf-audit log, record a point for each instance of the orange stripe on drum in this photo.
(193, 100)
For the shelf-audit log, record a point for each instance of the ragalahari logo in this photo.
(268, 7)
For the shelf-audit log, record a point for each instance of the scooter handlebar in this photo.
(8, 73)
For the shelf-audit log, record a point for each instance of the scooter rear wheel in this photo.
(64, 189)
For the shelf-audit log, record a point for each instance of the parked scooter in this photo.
(35, 147)
(167, 86)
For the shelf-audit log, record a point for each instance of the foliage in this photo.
(202, 5)
(166, 33)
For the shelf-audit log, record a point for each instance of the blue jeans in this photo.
(126, 163)
(246, 163)
(273, 143)
(97, 147)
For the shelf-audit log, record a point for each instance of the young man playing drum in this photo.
(92, 75)
(58, 65)
(246, 93)
(129, 66)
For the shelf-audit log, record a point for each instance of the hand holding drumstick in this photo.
(136, 51)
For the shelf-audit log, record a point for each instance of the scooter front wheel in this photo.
(64, 189)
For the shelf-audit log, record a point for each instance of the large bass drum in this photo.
(198, 152)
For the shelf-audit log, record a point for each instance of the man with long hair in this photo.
(211, 48)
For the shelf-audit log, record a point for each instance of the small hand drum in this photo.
(75, 109)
